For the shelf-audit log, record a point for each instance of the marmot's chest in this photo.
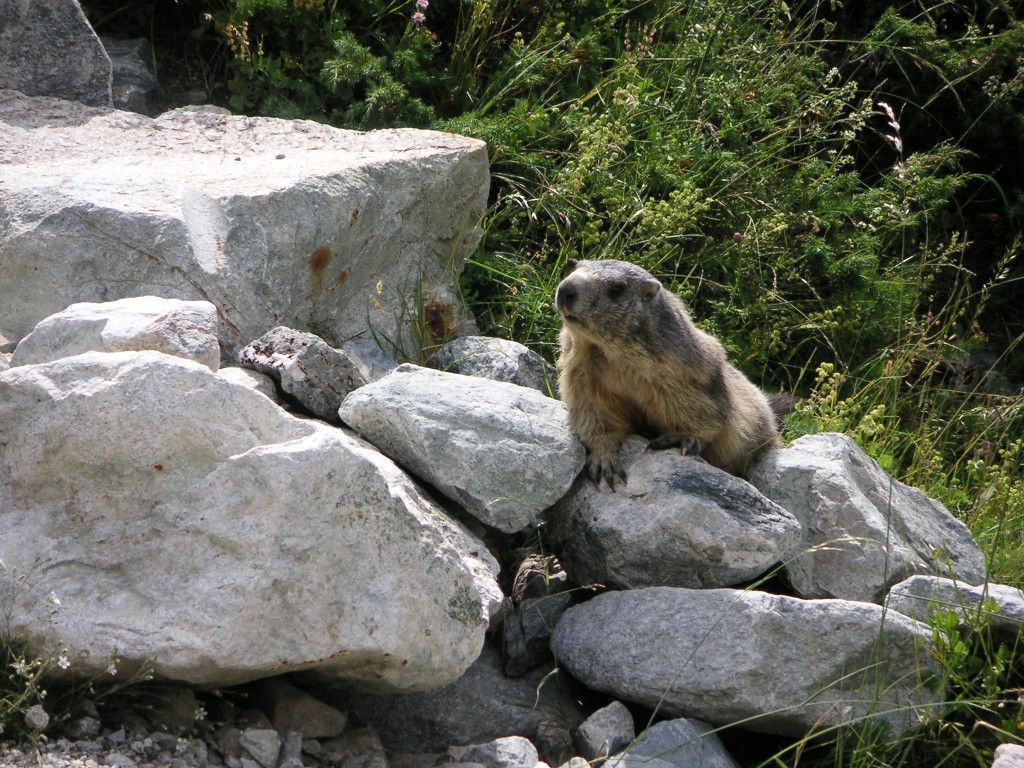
(656, 399)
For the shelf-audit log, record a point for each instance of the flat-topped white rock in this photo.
(185, 329)
(276, 222)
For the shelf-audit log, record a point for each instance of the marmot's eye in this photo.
(615, 290)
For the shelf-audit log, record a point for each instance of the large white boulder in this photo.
(276, 222)
(180, 516)
(767, 662)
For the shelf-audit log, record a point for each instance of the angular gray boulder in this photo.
(680, 743)
(921, 597)
(863, 531)
(276, 222)
(497, 359)
(502, 451)
(771, 663)
(48, 48)
(307, 368)
(185, 329)
(606, 732)
(679, 523)
(181, 517)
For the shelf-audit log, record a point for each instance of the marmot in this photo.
(632, 361)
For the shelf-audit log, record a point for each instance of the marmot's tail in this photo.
(782, 404)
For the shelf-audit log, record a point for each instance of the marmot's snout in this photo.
(567, 293)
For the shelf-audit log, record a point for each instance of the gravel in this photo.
(116, 749)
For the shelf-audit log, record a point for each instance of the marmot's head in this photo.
(610, 302)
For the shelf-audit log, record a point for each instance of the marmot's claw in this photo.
(607, 470)
(688, 446)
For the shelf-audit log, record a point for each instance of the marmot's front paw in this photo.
(608, 468)
(688, 446)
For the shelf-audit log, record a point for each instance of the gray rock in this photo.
(373, 363)
(293, 710)
(84, 728)
(263, 745)
(606, 732)
(360, 748)
(676, 744)
(499, 360)
(863, 531)
(306, 367)
(775, 664)
(276, 222)
(505, 752)
(250, 379)
(526, 632)
(1009, 756)
(481, 706)
(133, 478)
(291, 751)
(185, 329)
(47, 48)
(679, 522)
(133, 86)
(503, 452)
(920, 597)
(37, 718)
(117, 760)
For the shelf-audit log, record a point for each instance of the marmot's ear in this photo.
(650, 288)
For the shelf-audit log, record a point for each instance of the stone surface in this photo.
(185, 329)
(276, 222)
(499, 360)
(133, 87)
(678, 743)
(257, 382)
(131, 479)
(775, 664)
(863, 531)
(679, 522)
(291, 709)
(481, 706)
(356, 748)
(503, 452)
(263, 744)
(505, 752)
(1009, 756)
(919, 597)
(36, 718)
(606, 732)
(526, 632)
(47, 48)
(306, 368)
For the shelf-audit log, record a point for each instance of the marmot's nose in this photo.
(565, 296)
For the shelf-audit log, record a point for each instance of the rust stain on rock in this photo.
(318, 261)
(342, 277)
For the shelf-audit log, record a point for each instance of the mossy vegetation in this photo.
(835, 189)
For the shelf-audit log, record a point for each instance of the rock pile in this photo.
(136, 470)
(370, 529)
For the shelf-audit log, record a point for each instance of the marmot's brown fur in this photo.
(632, 361)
